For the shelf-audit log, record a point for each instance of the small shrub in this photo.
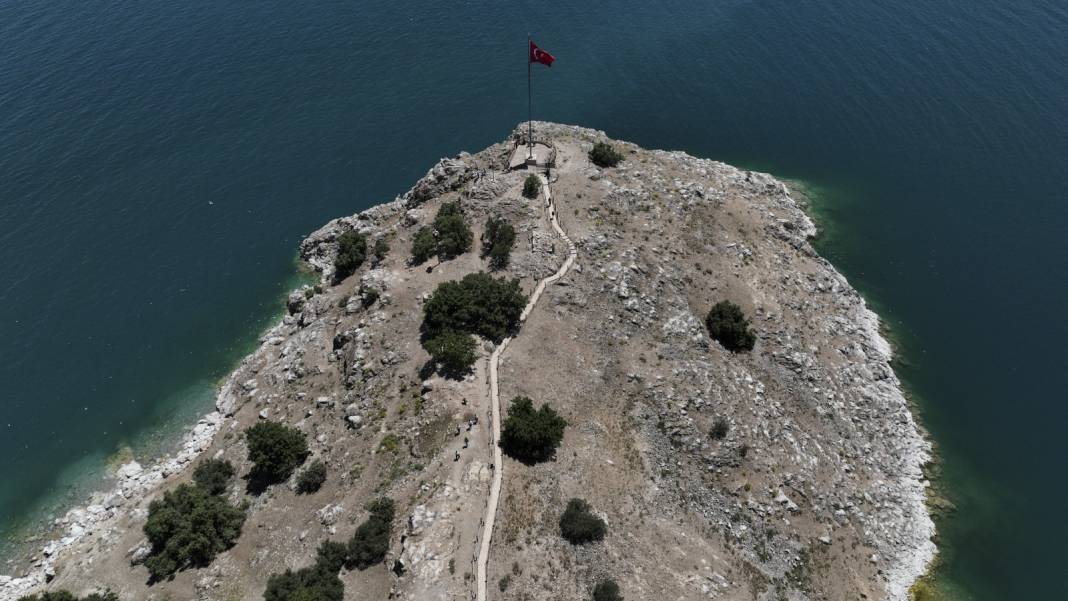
(605, 155)
(504, 582)
(478, 304)
(188, 528)
(370, 542)
(213, 475)
(497, 242)
(276, 450)
(351, 252)
(727, 325)
(63, 595)
(607, 590)
(380, 250)
(578, 524)
(331, 555)
(312, 478)
(452, 351)
(423, 246)
(531, 186)
(531, 435)
(720, 428)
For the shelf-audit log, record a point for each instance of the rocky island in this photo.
(647, 385)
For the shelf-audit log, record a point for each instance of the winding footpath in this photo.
(495, 401)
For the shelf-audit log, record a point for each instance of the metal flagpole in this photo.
(530, 110)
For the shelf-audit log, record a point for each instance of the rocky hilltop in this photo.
(792, 471)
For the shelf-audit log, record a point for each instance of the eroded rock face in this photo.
(811, 488)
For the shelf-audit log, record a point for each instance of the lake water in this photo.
(160, 161)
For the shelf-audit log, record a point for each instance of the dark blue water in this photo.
(159, 162)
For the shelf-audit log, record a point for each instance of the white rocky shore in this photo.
(816, 492)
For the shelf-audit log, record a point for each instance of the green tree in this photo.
(605, 155)
(275, 450)
(188, 528)
(497, 242)
(448, 236)
(478, 304)
(370, 543)
(312, 478)
(351, 252)
(453, 351)
(424, 245)
(213, 475)
(380, 250)
(531, 186)
(315, 583)
(579, 525)
(607, 590)
(531, 435)
(728, 325)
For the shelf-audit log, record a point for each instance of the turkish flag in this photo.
(537, 55)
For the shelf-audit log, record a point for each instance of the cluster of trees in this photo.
(728, 325)
(63, 595)
(193, 523)
(605, 155)
(497, 242)
(447, 237)
(607, 590)
(579, 525)
(320, 582)
(531, 435)
(478, 304)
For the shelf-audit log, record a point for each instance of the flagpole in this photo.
(530, 110)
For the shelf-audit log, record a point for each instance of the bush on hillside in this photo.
(351, 253)
(579, 525)
(497, 242)
(531, 186)
(63, 595)
(424, 245)
(727, 325)
(478, 304)
(275, 450)
(213, 475)
(720, 428)
(380, 250)
(188, 528)
(319, 582)
(312, 478)
(607, 590)
(370, 542)
(453, 352)
(315, 583)
(531, 435)
(605, 155)
(447, 237)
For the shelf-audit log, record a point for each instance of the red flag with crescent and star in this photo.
(537, 55)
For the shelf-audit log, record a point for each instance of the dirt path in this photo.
(495, 401)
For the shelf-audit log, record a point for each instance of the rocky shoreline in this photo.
(856, 392)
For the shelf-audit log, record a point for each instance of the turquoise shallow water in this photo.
(159, 163)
